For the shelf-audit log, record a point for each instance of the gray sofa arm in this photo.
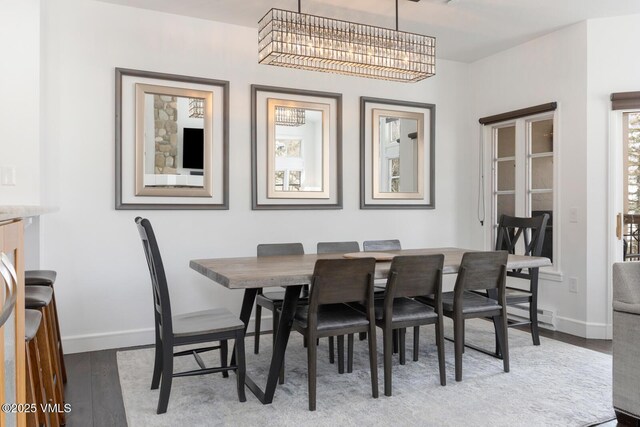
(626, 307)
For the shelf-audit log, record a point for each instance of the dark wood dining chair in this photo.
(340, 248)
(479, 271)
(217, 324)
(411, 276)
(336, 282)
(381, 245)
(523, 236)
(272, 300)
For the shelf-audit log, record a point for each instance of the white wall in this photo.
(550, 68)
(613, 66)
(103, 294)
(20, 106)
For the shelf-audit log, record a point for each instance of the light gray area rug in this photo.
(554, 384)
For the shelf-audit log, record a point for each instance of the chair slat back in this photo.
(280, 249)
(416, 275)
(381, 245)
(337, 247)
(341, 280)
(162, 304)
(482, 270)
(531, 230)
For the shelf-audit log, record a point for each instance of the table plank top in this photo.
(271, 271)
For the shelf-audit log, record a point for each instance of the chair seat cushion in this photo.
(32, 319)
(405, 310)
(332, 316)
(517, 295)
(206, 321)
(40, 277)
(37, 296)
(276, 298)
(472, 302)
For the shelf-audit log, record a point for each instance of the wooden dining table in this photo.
(295, 271)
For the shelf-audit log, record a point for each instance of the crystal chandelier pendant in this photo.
(298, 40)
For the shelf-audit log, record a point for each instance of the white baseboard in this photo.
(584, 329)
(130, 338)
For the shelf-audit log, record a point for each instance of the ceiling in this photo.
(466, 30)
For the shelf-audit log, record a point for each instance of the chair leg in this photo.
(458, 334)
(167, 377)
(396, 346)
(51, 391)
(533, 316)
(440, 345)
(256, 343)
(350, 353)
(373, 359)
(276, 321)
(341, 354)
(387, 346)
(505, 341)
(157, 364)
(224, 351)
(402, 333)
(416, 342)
(311, 361)
(241, 369)
(59, 343)
(331, 351)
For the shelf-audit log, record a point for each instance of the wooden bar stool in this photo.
(40, 298)
(48, 278)
(40, 386)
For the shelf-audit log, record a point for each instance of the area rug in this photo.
(554, 384)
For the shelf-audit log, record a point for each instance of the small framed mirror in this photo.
(397, 154)
(171, 141)
(296, 149)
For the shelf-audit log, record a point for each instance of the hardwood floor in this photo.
(93, 387)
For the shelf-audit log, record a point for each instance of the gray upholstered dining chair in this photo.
(199, 327)
(409, 277)
(336, 282)
(626, 342)
(381, 245)
(479, 271)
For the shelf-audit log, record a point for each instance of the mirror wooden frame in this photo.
(370, 195)
(131, 85)
(263, 137)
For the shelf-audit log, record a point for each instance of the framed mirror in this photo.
(397, 154)
(296, 149)
(171, 141)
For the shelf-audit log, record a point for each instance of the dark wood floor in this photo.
(93, 387)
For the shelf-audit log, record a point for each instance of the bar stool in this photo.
(40, 298)
(48, 278)
(40, 386)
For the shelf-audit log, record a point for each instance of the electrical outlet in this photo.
(8, 175)
(573, 285)
(573, 215)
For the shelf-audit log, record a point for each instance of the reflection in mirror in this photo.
(397, 154)
(297, 149)
(175, 137)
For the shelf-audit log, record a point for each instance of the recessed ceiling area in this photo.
(466, 30)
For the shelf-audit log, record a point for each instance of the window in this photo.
(523, 179)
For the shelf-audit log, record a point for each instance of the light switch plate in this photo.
(8, 175)
(573, 285)
(573, 215)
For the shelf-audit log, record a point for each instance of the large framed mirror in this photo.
(397, 154)
(171, 141)
(296, 149)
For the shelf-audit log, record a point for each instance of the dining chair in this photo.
(398, 334)
(524, 236)
(198, 327)
(340, 248)
(336, 282)
(381, 245)
(409, 277)
(272, 300)
(484, 271)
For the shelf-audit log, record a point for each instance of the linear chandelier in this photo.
(287, 116)
(309, 42)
